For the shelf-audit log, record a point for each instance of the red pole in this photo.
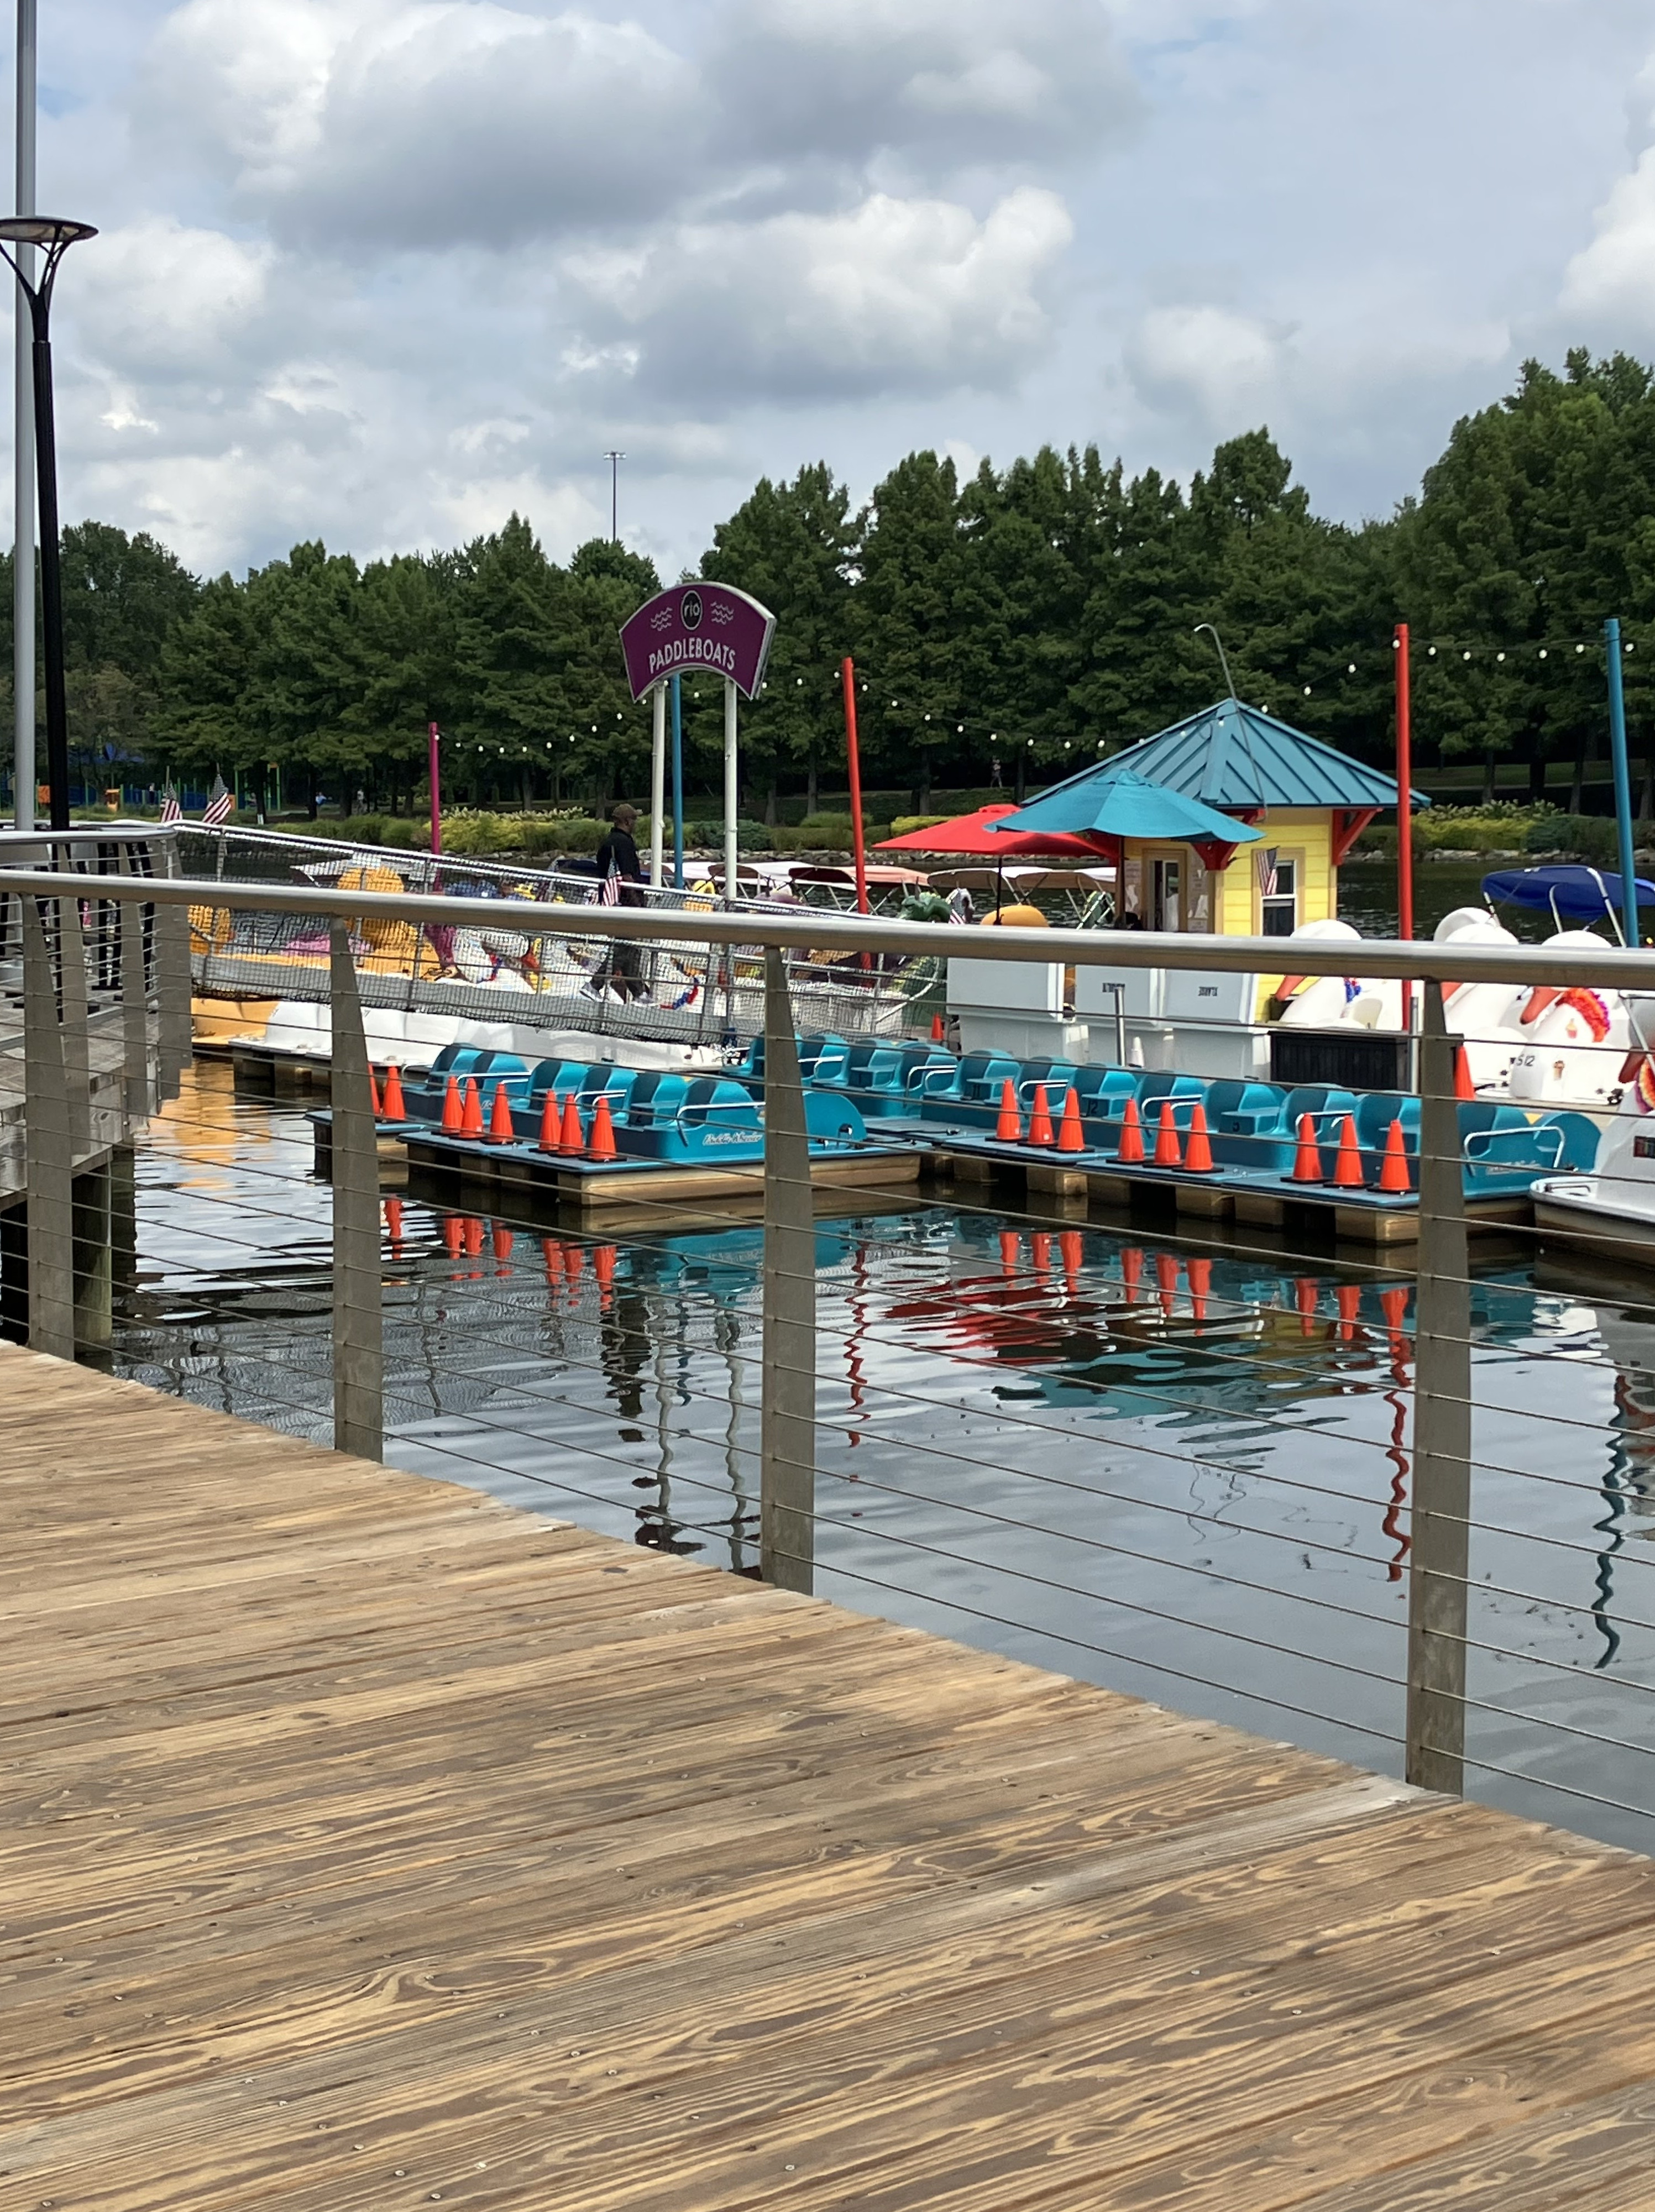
(848, 671)
(1404, 811)
(436, 792)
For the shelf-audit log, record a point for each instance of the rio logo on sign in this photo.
(697, 627)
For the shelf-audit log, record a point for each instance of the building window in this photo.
(1279, 898)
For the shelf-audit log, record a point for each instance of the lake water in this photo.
(1171, 1464)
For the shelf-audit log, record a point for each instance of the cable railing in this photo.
(1199, 1462)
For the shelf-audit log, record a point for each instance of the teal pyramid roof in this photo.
(1234, 757)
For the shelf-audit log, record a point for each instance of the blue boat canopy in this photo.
(1126, 806)
(1571, 890)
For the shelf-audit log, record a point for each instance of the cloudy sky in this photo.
(382, 271)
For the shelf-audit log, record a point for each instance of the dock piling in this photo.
(788, 1383)
(358, 1325)
(49, 1155)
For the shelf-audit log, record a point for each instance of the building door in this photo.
(1166, 896)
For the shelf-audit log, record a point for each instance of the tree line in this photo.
(1007, 625)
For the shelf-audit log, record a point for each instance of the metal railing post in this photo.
(1440, 1552)
(72, 998)
(786, 1540)
(358, 1323)
(173, 989)
(50, 1166)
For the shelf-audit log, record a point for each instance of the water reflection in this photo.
(1178, 1466)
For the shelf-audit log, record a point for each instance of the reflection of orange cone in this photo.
(453, 1236)
(396, 1108)
(471, 1112)
(1040, 1117)
(1166, 1277)
(1304, 1298)
(1393, 1304)
(1348, 1160)
(451, 1113)
(938, 1031)
(1008, 1129)
(1068, 1243)
(1348, 1298)
(501, 1131)
(1008, 1251)
(374, 1092)
(573, 1259)
(1132, 1136)
(1463, 1086)
(553, 1254)
(1132, 1267)
(603, 1266)
(1198, 1156)
(1307, 1160)
(550, 1125)
(500, 1237)
(473, 1227)
(1200, 1273)
(1040, 1244)
(600, 1143)
(394, 1221)
(1393, 1167)
(1166, 1138)
(1070, 1136)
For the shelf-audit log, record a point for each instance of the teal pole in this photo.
(1617, 738)
(678, 783)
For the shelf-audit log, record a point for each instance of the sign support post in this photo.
(678, 782)
(731, 790)
(657, 782)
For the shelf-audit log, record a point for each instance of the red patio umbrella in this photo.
(970, 834)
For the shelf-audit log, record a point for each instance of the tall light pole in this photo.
(54, 237)
(614, 460)
(23, 551)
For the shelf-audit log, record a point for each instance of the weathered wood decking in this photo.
(367, 1844)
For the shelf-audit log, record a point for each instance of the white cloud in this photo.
(1614, 277)
(155, 298)
(893, 294)
(1221, 365)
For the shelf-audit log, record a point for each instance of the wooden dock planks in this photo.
(366, 1843)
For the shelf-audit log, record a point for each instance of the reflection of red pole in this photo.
(432, 736)
(1404, 812)
(848, 671)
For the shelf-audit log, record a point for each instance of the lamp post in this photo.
(53, 237)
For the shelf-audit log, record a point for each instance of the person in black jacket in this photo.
(617, 856)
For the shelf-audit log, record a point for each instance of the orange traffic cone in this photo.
(1167, 1154)
(500, 1128)
(1071, 1138)
(470, 1113)
(600, 1141)
(1069, 1245)
(551, 1125)
(1348, 1160)
(1348, 1297)
(1008, 1251)
(396, 1107)
(1393, 1167)
(1305, 1293)
(571, 1138)
(1132, 1267)
(1198, 1154)
(500, 1237)
(1131, 1151)
(373, 1091)
(1040, 1117)
(1463, 1086)
(1008, 1129)
(937, 1029)
(1166, 1280)
(1307, 1160)
(454, 1237)
(1200, 1273)
(451, 1113)
(394, 1221)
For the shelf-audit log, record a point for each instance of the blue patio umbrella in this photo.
(1570, 892)
(1127, 805)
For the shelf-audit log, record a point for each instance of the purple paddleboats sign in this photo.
(694, 629)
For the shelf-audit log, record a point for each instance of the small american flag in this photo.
(219, 806)
(171, 812)
(608, 892)
(1265, 861)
